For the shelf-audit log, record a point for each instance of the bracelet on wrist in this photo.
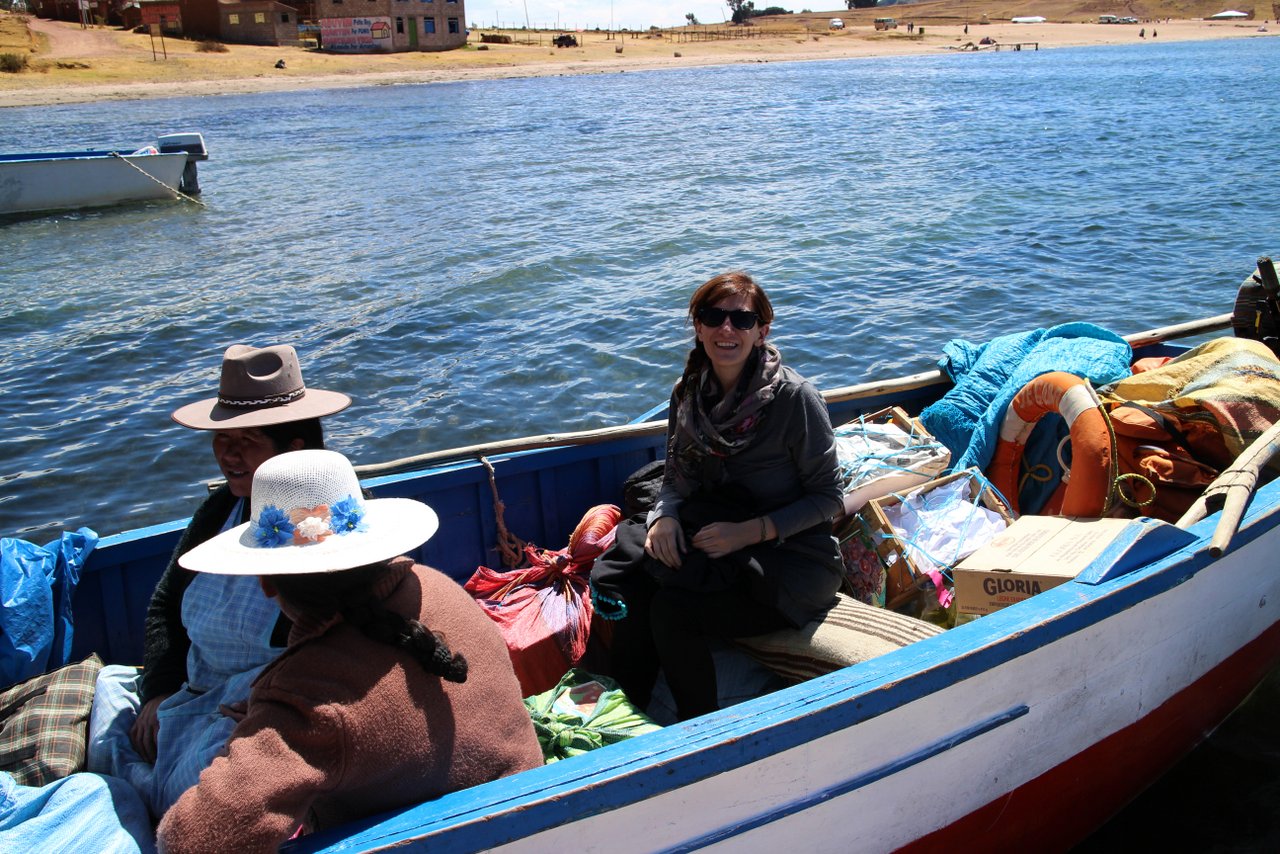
(764, 532)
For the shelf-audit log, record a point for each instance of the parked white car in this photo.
(837, 24)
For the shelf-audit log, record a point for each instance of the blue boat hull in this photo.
(1027, 727)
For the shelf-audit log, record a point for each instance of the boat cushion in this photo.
(851, 632)
(44, 723)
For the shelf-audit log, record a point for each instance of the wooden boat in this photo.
(31, 183)
(1021, 730)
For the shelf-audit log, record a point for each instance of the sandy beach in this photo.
(71, 64)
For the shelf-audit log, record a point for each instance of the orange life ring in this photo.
(1089, 479)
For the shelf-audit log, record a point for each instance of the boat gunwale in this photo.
(97, 154)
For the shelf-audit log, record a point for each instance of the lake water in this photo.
(481, 260)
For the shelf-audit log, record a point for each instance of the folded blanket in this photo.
(987, 376)
(1229, 384)
(76, 813)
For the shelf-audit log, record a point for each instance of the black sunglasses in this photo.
(739, 317)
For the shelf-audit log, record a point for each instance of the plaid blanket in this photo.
(43, 723)
(1229, 385)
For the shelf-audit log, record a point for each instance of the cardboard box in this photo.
(904, 580)
(1033, 554)
(899, 471)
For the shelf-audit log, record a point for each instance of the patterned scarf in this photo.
(712, 424)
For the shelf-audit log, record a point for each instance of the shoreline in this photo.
(76, 56)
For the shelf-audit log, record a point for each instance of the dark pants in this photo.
(672, 629)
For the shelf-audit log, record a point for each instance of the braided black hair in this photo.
(321, 595)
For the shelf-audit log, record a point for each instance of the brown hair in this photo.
(714, 290)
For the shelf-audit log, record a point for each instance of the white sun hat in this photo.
(308, 515)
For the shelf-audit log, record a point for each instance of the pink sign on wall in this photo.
(355, 35)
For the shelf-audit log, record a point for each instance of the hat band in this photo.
(304, 526)
(273, 400)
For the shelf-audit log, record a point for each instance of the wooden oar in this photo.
(1230, 491)
(841, 394)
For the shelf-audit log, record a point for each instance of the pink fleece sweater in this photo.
(340, 727)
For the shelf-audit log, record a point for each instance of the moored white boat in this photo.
(1023, 729)
(32, 183)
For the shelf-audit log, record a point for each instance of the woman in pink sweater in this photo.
(370, 707)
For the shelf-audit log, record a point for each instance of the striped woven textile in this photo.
(1230, 384)
(851, 632)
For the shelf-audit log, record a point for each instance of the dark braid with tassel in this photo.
(350, 593)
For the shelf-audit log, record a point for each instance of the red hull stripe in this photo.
(1065, 804)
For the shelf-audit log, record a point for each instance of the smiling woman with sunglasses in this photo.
(738, 542)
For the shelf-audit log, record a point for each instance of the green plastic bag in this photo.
(584, 712)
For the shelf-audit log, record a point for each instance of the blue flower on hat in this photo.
(346, 516)
(273, 528)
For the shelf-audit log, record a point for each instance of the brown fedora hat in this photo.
(260, 386)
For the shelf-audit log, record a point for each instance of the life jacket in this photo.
(1087, 487)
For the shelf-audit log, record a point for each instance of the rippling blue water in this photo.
(480, 260)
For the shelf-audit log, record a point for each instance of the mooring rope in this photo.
(176, 192)
(510, 547)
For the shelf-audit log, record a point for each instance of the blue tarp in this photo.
(37, 584)
(987, 376)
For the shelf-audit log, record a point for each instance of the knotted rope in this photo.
(510, 547)
(177, 193)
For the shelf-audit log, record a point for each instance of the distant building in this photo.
(384, 26)
(257, 22)
(240, 21)
(68, 10)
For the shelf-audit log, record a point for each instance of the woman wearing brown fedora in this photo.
(208, 636)
(395, 688)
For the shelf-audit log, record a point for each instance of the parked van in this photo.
(886, 24)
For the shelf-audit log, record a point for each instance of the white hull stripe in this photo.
(828, 793)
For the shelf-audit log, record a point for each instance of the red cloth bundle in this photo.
(544, 609)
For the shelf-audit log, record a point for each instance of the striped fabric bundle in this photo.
(851, 632)
(1229, 385)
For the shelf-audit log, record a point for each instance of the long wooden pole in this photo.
(1230, 491)
(860, 391)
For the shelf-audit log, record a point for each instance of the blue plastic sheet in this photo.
(37, 584)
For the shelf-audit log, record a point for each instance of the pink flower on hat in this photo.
(311, 524)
